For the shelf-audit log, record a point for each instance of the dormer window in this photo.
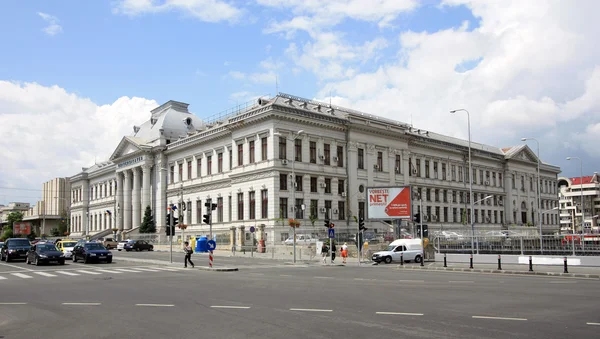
(153, 121)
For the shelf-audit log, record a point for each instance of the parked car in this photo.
(138, 245)
(121, 245)
(91, 251)
(14, 248)
(44, 253)
(401, 249)
(109, 243)
(301, 239)
(66, 246)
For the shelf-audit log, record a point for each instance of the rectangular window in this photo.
(327, 185)
(283, 208)
(313, 184)
(460, 174)
(411, 169)
(298, 150)
(445, 195)
(314, 209)
(426, 168)
(495, 217)
(435, 170)
(230, 208)
(461, 197)
(380, 161)
(361, 158)
(252, 203)
(298, 212)
(220, 162)
(199, 211)
(189, 170)
(264, 204)
(263, 148)
(474, 176)
(397, 163)
(454, 196)
(180, 166)
(340, 156)
(327, 154)
(313, 152)
(341, 187)
(230, 152)
(454, 216)
(282, 148)
(198, 168)
(453, 172)
(240, 154)
(514, 184)
(361, 209)
(445, 214)
(328, 210)
(428, 194)
(240, 206)
(481, 177)
(531, 184)
(494, 182)
(341, 210)
(209, 165)
(219, 209)
(298, 183)
(437, 195)
(283, 182)
(443, 171)
(523, 183)
(437, 213)
(252, 151)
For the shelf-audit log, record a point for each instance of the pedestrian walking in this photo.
(324, 252)
(188, 254)
(333, 250)
(344, 252)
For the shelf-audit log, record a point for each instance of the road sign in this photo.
(252, 229)
(331, 233)
(212, 245)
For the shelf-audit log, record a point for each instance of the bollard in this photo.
(445, 264)
(423, 260)
(530, 264)
(471, 261)
(401, 258)
(499, 263)
(565, 263)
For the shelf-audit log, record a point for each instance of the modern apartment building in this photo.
(571, 193)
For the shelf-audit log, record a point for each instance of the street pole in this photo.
(470, 183)
(539, 196)
(421, 222)
(170, 226)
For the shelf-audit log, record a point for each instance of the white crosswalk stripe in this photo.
(110, 271)
(2, 278)
(67, 273)
(146, 269)
(127, 270)
(45, 274)
(21, 275)
(88, 272)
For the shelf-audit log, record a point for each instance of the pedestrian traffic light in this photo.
(168, 218)
(168, 230)
(326, 223)
(175, 221)
(361, 225)
(213, 207)
(206, 218)
(417, 217)
(425, 231)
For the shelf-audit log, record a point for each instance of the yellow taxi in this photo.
(66, 246)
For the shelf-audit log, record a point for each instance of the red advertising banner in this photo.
(22, 228)
(389, 202)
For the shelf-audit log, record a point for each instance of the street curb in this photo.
(460, 269)
(219, 269)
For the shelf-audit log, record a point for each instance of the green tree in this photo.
(63, 225)
(148, 225)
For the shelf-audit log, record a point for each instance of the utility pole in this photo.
(170, 226)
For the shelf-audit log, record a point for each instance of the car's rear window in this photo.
(19, 242)
(94, 246)
(69, 243)
(46, 247)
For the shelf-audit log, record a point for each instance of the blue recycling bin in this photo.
(201, 244)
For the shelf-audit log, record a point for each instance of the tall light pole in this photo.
(293, 140)
(581, 190)
(539, 183)
(470, 180)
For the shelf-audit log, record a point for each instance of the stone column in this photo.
(127, 205)
(136, 198)
(145, 187)
(119, 191)
(241, 236)
(261, 233)
(231, 237)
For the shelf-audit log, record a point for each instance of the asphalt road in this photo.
(293, 302)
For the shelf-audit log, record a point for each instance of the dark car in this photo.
(45, 253)
(138, 245)
(91, 251)
(14, 248)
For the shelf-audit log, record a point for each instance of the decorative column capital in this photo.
(127, 174)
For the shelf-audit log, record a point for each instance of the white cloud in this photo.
(204, 10)
(271, 68)
(53, 27)
(48, 132)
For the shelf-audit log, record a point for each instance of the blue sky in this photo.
(96, 68)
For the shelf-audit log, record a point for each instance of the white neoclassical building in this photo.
(289, 157)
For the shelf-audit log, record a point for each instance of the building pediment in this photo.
(522, 153)
(127, 146)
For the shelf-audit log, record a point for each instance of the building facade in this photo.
(291, 158)
(52, 209)
(12, 207)
(571, 193)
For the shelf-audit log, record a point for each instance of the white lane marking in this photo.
(285, 275)
(81, 304)
(415, 281)
(360, 279)
(155, 305)
(127, 270)
(167, 269)
(563, 282)
(146, 269)
(593, 324)
(323, 277)
(19, 267)
(13, 303)
(398, 313)
(45, 274)
(498, 318)
(109, 271)
(233, 307)
(2, 278)
(87, 272)
(461, 281)
(21, 275)
(310, 310)
(67, 273)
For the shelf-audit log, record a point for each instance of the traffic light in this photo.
(331, 225)
(213, 207)
(206, 218)
(361, 225)
(425, 231)
(417, 217)
(175, 221)
(327, 224)
(359, 240)
(168, 218)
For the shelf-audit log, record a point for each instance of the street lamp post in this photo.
(293, 140)
(539, 199)
(470, 180)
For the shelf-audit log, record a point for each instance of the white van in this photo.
(408, 249)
